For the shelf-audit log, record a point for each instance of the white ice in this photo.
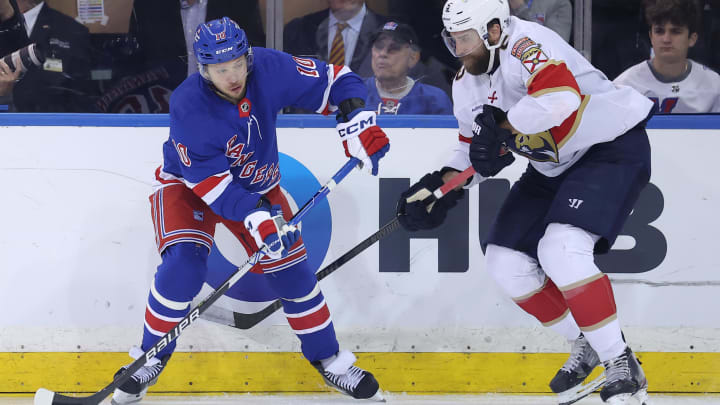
(400, 399)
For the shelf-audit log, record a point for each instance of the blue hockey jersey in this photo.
(227, 153)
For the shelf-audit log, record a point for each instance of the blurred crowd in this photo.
(59, 57)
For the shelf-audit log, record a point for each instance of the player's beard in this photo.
(476, 64)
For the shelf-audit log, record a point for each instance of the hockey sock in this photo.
(305, 308)
(549, 307)
(178, 279)
(593, 305)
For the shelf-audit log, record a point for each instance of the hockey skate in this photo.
(568, 382)
(626, 382)
(134, 389)
(342, 375)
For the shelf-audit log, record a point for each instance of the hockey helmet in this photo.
(462, 15)
(220, 41)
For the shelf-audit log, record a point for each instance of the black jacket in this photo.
(308, 36)
(65, 42)
(157, 25)
(12, 32)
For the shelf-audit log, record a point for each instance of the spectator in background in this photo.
(437, 66)
(166, 28)
(554, 14)
(340, 35)
(13, 36)
(675, 83)
(165, 31)
(391, 90)
(62, 84)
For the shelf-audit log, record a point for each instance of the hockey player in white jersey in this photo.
(673, 82)
(525, 89)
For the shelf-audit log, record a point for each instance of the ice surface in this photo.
(401, 399)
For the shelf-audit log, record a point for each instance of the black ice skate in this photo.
(568, 382)
(626, 382)
(348, 379)
(134, 389)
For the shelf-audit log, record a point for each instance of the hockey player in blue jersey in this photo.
(221, 165)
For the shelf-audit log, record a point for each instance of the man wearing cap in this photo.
(391, 91)
(339, 34)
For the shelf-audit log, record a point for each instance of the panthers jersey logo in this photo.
(540, 147)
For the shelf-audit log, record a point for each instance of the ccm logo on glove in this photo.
(360, 125)
(364, 140)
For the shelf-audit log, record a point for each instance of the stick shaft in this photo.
(194, 314)
(247, 321)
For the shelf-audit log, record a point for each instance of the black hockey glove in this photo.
(418, 208)
(488, 153)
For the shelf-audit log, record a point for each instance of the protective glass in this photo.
(461, 44)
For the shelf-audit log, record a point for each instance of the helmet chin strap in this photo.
(494, 50)
(491, 61)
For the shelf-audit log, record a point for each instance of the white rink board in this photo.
(77, 251)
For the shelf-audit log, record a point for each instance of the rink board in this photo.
(78, 239)
(397, 372)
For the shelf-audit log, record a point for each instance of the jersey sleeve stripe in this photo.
(211, 188)
(551, 77)
(563, 132)
(333, 73)
(464, 139)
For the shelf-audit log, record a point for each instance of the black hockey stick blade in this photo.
(247, 321)
(46, 397)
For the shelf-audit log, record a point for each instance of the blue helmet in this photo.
(219, 41)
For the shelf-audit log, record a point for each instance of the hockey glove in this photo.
(488, 153)
(269, 228)
(417, 208)
(364, 140)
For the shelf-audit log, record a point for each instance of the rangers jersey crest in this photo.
(222, 150)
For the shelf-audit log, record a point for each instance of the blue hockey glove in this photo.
(488, 153)
(269, 228)
(417, 208)
(364, 140)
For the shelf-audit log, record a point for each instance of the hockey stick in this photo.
(247, 321)
(47, 397)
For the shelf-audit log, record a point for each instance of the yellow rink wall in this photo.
(397, 372)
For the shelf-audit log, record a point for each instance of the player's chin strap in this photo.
(494, 62)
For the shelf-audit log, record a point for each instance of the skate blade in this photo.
(378, 397)
(638, 398)
(577, 393)
(123, 398)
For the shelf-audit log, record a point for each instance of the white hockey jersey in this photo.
(557, 101)
(697, 91)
